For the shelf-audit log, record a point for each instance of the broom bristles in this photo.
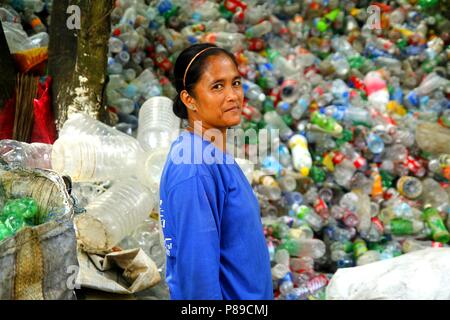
(26, 89)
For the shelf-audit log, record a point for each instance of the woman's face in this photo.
(218, 94)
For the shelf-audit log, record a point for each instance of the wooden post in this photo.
(78, 58)
(7, 70)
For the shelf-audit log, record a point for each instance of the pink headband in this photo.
(189, 65)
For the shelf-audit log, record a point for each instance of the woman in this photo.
(213, 234)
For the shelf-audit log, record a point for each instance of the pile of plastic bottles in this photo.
(359, 93)
(25, 23)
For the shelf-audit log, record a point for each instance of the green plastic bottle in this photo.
(428, 4)
(14, 223)
(402, 227)
(324, 23)
(25, 208)
(439, 232)
(4, 232)
(325, 123)
(359, 247)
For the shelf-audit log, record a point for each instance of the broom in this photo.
(26, 89)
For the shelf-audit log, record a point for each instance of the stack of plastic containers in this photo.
(114, 215)
(88, 150)
(158, 125)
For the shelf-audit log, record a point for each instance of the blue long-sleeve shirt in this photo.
(213, 235)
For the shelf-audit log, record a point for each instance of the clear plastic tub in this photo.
(82, 124)
(96, 158)
(158, 125)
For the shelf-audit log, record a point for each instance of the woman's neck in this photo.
(217, 136)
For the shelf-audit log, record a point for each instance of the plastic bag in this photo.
(31, 59)
(38, 262)
(44, 129)
(419, 275)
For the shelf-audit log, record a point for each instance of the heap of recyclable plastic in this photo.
(359, 93)
(25, 23)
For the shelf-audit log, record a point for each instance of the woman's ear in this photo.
(188, 100)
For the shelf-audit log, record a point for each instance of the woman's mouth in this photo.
(233, 109)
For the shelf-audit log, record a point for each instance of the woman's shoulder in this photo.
(190, 157)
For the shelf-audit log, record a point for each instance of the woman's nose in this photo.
(232, 94)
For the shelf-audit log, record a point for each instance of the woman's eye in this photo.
(237, 83)
(217, 86)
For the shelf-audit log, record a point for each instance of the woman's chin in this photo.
(233, 121)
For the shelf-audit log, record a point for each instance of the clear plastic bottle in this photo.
(115, 45)
(21, 154)
(369, 256)
(435, 195)
(291, 198)
(410, 245)
(274, 121)
(430, 83)
(279, 271)
(271, 192)
(253, 92)
(375, 143)
(114, 215)
(259, 29)
(299, 109)
(441, 138)
(228, 40)
(9, 16)
(288, 183)
(313, 248)
(344, 172)
(309, 216)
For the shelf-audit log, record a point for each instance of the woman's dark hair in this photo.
(194, 73)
